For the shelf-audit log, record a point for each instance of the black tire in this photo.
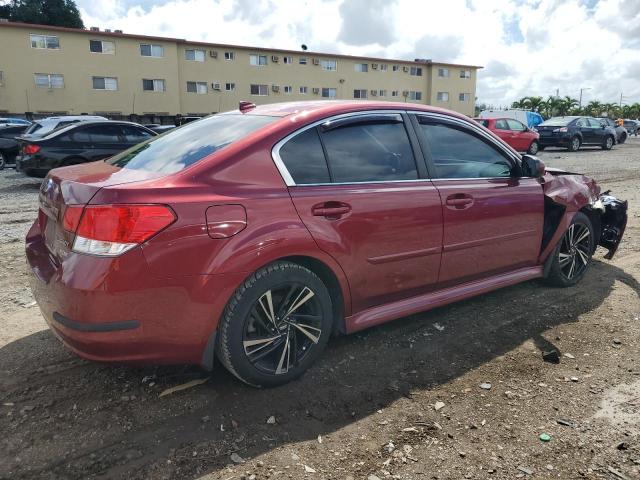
(570, 262)
(255, 323)
(3, 161)
(623, 138)
(574, 144)
(608, 142)
(533, 148)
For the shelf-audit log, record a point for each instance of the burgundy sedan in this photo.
(255, 234)
(515, 133)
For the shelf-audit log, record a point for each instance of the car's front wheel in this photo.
(623, 138)
(608, 143)
(276, 325)
(572, 255)
(533, 148)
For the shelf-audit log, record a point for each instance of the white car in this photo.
(43, 126)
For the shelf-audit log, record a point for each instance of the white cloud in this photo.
(530, 47)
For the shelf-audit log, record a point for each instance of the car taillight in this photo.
(30, 149)
(110, 230)
(71, 217)
(561, 130)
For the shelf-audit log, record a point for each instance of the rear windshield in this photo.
(184, 146)
(557, 121)
(34, 127)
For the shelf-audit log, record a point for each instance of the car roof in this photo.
(336, 107)
(71, 117)
(73, 126)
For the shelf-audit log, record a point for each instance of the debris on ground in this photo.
(184, 386)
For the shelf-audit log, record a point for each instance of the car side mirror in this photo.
(532, 166)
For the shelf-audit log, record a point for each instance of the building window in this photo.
(44, 41)
(102, 46)
(229, 55)
(287, 61)
(1, 78)
(229, 87)
(153, 85)
(197, 87)
(194, 55)
(258, 60)
(464, 97)
(416, 71)
(415, 95)
(382, 93)
(465, 73)
(303, 90)
(394, 93)
(443, 96)
(302, 60)
(329, 92)
(49, 80)
(260, 90)
(105, 83)
(148, 50)
(288, 89)
(331, 65)
(360, 93)
(396, 68)
(383, 67)
(443, 72)
(361, 67)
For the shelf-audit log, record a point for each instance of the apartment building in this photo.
(47, 70)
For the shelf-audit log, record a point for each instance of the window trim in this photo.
(288, 179)
(102, 42)
(45, 36)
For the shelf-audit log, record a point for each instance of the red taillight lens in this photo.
(124, 223)
(30, 149)
(71, 217)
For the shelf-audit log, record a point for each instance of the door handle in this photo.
(330, 209)
(459, 201)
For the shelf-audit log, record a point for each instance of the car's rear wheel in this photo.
(3, 161)
(608, 143)
(574, 144)
(572, 256)
(276, 325)
(623, 138)
(533, 148)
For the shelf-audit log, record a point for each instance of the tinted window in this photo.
(370, 152)
(184, 146)
(134, 135)
(581, 122)
(594, 122)
(484, 123)
(502, 125)
(460, 154)
(304, 158)
(516, 125)
(104, 134)
(81, 136)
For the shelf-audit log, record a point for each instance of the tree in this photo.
(565, 105)
(61, 13)
(522, 103)
(534, 103)
(593, 108)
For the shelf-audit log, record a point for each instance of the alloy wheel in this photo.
(575, 143)
(575, 252)
(609, 142)
(282, 327)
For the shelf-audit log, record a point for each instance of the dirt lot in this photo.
(371, 407)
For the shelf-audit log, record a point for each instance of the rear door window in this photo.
(134, 134)
(515, 125)
(304, 159)
(105, 134)
(81, 136)
(370, 152)
(502, 125)
(184, 146)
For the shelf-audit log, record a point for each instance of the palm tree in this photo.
(594, 108)
(534, 103)
(566, 104)
(520, 103)
(611, 110)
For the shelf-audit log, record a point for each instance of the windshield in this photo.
(184, 146)
(557, 121)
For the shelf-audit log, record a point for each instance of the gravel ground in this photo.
(404, 400)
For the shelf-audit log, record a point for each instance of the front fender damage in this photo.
(567, 193)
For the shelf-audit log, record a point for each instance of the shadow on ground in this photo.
(97, 421)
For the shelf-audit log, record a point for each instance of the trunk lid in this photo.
(73, 186)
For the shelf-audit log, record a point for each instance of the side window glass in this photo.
(457, 153)
(134, 135)
(369, 152)
(304, 158)
(81, 136)
(502, 125)
(594, 122)
(516, 126)
(105, 134)
(581, 122)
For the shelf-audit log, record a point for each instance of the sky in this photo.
(527, 47)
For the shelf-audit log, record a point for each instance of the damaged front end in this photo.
(567, 193)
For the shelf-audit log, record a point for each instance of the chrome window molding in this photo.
(288, 179)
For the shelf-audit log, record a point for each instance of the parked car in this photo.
(13, 121)
(573, 132)
(516, 134)
(78, 143)
(621, 131)
(9, 146)
(254, 234)
(161, 128)
(529, 118)
(44, 126)
(632, 126)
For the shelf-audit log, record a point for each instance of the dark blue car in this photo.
(574, 132)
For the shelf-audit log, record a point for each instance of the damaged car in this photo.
(254, 235)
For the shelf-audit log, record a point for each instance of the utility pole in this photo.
(581, 90)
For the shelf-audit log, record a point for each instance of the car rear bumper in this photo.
(113, 310)
(554, 141)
